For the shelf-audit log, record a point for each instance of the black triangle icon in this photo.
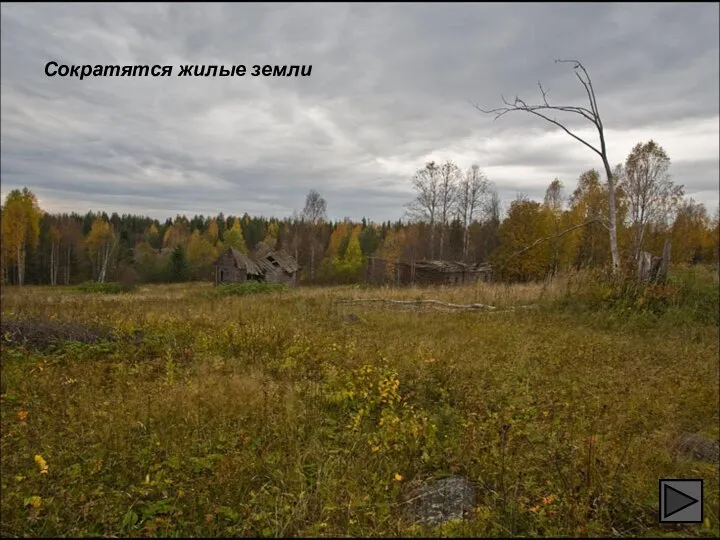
(675, 501)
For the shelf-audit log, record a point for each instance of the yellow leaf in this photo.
(42, 464)
(33, 501)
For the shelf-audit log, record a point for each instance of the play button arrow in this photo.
(675, 501)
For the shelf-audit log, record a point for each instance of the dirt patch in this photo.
(41, 334)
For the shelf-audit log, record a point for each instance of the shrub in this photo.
(690, 295)
(253, 287)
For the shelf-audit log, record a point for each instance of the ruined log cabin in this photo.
(234, 266)
(381, 271)
(278, 266)
(267, 266)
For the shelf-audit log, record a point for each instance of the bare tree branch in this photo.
(484, 307)
(520, 105)
(548, 238)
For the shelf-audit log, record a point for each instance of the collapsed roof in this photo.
(265, 261)
(271, 259)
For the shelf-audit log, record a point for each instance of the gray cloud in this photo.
(389, 90)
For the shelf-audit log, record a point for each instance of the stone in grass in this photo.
(439, 501)
(694, 446)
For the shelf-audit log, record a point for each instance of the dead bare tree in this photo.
(593, 116)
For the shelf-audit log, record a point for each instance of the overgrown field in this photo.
(291, 413)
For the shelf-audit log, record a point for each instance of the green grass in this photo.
(240, 416)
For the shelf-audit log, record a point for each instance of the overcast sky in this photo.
(390, 89)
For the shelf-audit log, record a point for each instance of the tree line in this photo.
(455, 215)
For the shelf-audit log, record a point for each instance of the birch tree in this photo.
(20, 228)
(448, 192)
(471, 194)
(101, 243)
(314, 214)
(426, 204)
(650, 193)
(54, 238)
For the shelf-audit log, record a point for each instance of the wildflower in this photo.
(534, 509)
(22, 415)
(591, 440)
(33, 501)
(398, 477)
(42, 464)
(549, 499)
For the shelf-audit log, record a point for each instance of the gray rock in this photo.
(694, 446)
(441, 500)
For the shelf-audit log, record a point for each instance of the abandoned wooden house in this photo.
(278, 266)
(381, 271)
(234, 266)
(268, 266)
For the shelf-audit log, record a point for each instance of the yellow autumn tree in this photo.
(152, 236)
(525, 224)
(589, 203)
(177, 234)
(330, 267)
(691, 234)
(234, 237)
(200, 256)
(350, 265)
(393, 245)
(101, 243)
(272, 235)
(20, 228)
(212, 234)
(564, 242)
